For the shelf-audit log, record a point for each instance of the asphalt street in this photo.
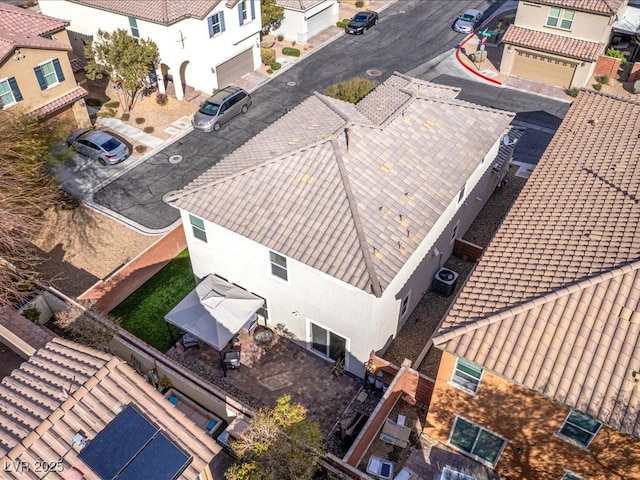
(409, 34)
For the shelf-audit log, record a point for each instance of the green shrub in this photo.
(352, 90)
(573, 92)
(125, 117)
(269, 70)
(597, 86)
(603, 79)
(31, 313)
(148, 129)
(140, 120)
(291, 52)
(615, 53)
(93, 102)
(359, 3)
(275, 66)
(268, 55)
(343, 23)
(112, 104)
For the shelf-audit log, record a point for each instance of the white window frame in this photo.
(216, 24)
(329, 331)
(570, 439)
(470, 454)
(569, 475)
(133, 27)
(195, 227)
(461, 194)
(10, 92)
(560, 18)
(454, 232)
(275, 266)
(404, 305)
(459, 373)
(245, 12)
(54, 73)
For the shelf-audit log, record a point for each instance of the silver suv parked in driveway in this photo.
(220, 108)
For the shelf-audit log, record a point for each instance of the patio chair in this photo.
(189, 341)
(380, 467)
(230, 361)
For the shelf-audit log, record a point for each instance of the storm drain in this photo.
(374, 72)
(291, 84)
(175, 159)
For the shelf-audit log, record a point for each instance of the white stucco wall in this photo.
(368, 323)
(185, 44)
(294, 25)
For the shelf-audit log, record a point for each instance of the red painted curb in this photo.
(475, 72)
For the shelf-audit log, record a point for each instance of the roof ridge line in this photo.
(534, 302)
(375, 282)
(184, 191)
(340, 113)
(418, 81)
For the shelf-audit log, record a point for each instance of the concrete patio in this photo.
(268, 372)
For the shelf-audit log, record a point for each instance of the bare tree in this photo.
(26, 191)
(88, 328)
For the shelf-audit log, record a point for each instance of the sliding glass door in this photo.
(327, 343)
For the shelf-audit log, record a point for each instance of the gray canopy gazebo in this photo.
(215, 311)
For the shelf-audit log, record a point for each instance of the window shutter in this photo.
(14, 88)
(253, 10)
(40, 77)
(56, 66)
(221, 21)
(240, 14)
(210, 22)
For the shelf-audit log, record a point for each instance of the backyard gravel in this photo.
(425, 318)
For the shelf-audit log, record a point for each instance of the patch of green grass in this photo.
(143, 312)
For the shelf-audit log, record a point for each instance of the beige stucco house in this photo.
(540, 372)
(36, 75)
(558, 41)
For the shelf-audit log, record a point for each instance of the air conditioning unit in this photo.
(444, 281)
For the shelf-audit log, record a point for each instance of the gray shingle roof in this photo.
(554, 303)
(357, 211)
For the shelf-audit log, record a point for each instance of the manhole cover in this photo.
(175, 158)
(373, 72)
(291, 84)
(263, 337)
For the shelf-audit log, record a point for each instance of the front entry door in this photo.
(327, 343)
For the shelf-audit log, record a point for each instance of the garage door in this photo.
(233, 69)
(319, 22)
(543, 69)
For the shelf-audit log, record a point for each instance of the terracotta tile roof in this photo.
(302, 5)
(78, 64)
(65, 388)
(554, 303)
(23, 28)
(164, 12)
(20, 20)
(60, 102)
(355, 212)
(25, 329)
(552, 43)
(609, 7)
